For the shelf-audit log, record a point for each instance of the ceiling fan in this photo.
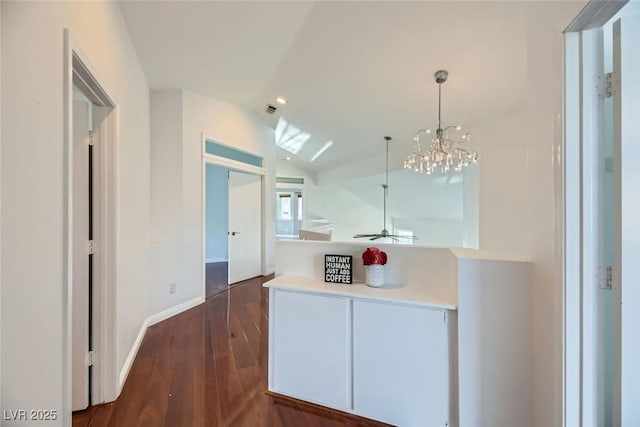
(384, 233)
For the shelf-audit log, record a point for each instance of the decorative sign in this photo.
(338, 268)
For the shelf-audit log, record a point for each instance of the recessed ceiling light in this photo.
(281, 100)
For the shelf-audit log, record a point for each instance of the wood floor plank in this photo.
(208, 367)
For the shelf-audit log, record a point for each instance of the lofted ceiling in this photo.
(352, 71)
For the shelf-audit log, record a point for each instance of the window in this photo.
(405, 236)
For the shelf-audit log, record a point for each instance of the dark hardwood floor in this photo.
(216, 277)
(208, 367)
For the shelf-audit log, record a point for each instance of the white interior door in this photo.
(245, 226)
(80, 286)
(626, 94)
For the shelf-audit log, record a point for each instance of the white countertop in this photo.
(421, 296)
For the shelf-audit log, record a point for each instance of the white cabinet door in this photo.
(400, 364)
(309, 347)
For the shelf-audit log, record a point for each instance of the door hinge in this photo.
(90, 141)
(445, 316)
(605, 277)
(605, 85)
(90, 357)
(91, 247)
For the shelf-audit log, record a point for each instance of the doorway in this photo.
(233, 226)
(90, 114)
(83, 254)
(602, 242)
(89, 370)
(216, 229)
(289, 212)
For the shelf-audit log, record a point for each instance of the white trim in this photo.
(203, 229)
(216, 259)
(150, 321)
(234, 164)
(215, 141)
(126, 367)
(284, 186)
(572, 343)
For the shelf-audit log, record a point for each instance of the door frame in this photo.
(79, 69)
(292, 188)
(580, 220)
(237, 166)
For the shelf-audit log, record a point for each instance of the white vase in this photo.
(374, 275)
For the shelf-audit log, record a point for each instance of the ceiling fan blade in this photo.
(364, 235)
(376, 237)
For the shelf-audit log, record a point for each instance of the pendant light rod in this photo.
(440, 76)
(439, 105)
(386, 188)
(384, 234)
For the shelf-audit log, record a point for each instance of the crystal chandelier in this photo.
(445, 151)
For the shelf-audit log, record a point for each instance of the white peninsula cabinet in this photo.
(446, 342)
(334, 346)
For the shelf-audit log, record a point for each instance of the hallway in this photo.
(208, 367)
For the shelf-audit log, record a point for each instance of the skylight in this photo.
(294, 140)
(289, 137)
(324, 148)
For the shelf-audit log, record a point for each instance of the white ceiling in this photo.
(352, 71)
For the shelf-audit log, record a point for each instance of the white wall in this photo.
(217, 213)
(543, 138)
(502, 189)
(168, 257)
(32, 188)
(166, 166)
(348, 213)
(179, 260)
(237, 127)
(471, 207)
(433, 232)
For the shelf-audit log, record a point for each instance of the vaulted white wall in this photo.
(33, 202)
(502, 191)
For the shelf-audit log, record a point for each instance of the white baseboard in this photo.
(131, 357)
(150, 321)
(172, 311)
(216, 259)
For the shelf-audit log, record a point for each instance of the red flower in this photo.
(374, 256)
